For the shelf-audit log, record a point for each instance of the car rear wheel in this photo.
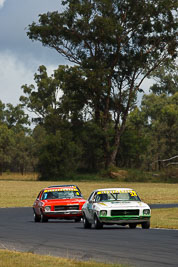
(86, 223)
(146, 225)
(77, 219)
(97, 223)
(132, 225)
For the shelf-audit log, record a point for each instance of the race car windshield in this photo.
(117, 196)
(60, 194)
(125, 197)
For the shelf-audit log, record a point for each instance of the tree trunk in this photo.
(118, 133)
(0, 169)
(115, 150)
(22, 170)
(107, 156)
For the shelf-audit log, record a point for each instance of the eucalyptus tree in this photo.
(56, 147)
(6, 146)
(135, 141)
(15, 139)
(166, 79)
(2, 109)
(160, 113)
(16, 118)
(117, 44)
(42, 99)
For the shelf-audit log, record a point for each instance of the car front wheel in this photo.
(97, 223)
(86, 223)
(37, 218)
(146, 225)
(132, 225)
(43, 218)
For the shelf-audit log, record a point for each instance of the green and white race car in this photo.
(120, 206)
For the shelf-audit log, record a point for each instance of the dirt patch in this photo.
(119, 175)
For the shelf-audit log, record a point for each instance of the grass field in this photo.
(18, 177)
(165, 218)
(18, 259)
(22, 191)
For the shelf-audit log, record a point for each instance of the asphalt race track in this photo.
(140, 247)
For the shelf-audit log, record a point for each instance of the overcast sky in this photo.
(19, 56)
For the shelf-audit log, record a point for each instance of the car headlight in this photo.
(47, 208)
(103, 212)
(146, 212)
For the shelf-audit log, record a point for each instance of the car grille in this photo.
(124, 212)
(66, 207)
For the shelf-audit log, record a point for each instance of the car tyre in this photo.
(132, 225)
(77, 219)
(97, 223)
(86, 223)
(37, 218)
(146, 225)
(43, 218)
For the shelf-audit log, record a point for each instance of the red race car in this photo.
(59, 202)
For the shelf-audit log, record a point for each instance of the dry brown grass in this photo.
(23, 193)
(148, 192)
(18, 177)
(165, 218)
(17, 191)
(19, 259)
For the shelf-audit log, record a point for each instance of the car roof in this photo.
(66, 185)
(112, 189)
(63, 186)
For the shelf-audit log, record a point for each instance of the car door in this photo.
(37, 203)
(89, 207)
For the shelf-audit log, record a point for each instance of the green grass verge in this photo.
(169, 175)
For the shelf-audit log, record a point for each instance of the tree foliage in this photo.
(15, 148)
(116, 45)
(59, 156)
(86, 115)
(154, 128)
(6, 145)
(166, 79)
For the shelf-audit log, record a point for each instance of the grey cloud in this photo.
(19, 56)
(14, 74)
(1, 3)
(15, 16)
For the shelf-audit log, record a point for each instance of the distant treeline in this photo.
(58, 147)
(86, 115)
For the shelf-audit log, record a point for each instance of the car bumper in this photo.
(123, 220)
(62, 213)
